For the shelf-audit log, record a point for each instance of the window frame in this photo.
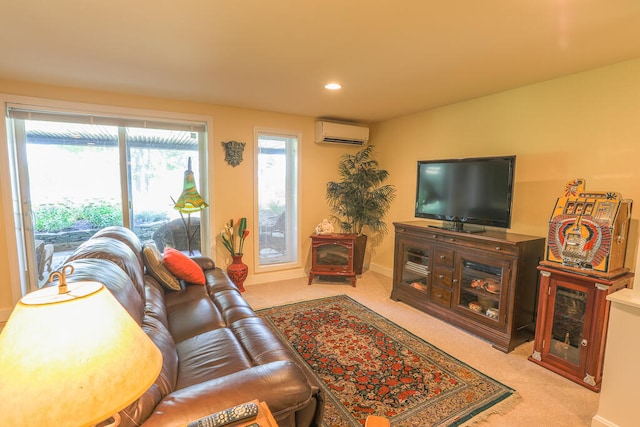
(296, 235)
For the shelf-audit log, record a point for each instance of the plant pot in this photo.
(237, 271)
(359, 249)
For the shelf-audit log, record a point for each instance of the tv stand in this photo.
(485, 283)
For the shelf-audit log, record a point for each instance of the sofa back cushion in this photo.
(155, 326)
(115, 251)
(125, 235)
(113, 278)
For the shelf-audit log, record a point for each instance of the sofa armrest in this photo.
(282, 385)
(204, 262)
(241, 413)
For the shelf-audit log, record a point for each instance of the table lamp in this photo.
(71, 355)
(189, 202)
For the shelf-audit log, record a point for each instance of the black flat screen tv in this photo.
(466, 191)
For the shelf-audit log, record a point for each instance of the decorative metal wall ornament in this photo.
(233, 152)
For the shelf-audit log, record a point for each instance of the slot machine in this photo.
(588, 231)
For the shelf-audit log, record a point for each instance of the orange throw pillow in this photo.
(182, 266)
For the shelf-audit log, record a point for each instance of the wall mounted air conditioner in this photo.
(341, 133)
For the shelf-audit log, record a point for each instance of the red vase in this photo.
(237, 271)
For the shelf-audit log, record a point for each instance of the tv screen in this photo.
(466, 191)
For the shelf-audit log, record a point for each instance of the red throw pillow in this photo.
(182, 266)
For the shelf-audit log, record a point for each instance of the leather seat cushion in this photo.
(210, 355)
(191, 312)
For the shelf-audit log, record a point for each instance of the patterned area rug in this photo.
(368, 365)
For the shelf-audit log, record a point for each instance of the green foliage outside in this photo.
(276, 208)
(92, 214)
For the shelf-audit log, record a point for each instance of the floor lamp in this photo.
(189, 202)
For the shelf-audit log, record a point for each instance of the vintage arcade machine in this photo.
(584, 262)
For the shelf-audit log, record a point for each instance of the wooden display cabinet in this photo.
(485, 283)
(332, 255)
(573, 315)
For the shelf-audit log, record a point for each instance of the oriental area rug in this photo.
(368, 365)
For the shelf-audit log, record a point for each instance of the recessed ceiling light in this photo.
(333, 86)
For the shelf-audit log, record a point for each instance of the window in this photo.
(78, 173)
(277, 198)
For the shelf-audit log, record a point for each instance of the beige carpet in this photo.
(547, 398)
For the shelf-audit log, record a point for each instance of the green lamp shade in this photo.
(190, 200)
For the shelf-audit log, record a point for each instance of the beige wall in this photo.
(231, 188)
(585, 125)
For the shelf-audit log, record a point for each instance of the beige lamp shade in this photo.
(74, 358)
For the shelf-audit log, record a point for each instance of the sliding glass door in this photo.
(75, 178)
(156, 176)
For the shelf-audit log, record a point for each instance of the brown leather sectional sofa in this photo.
(216, 352)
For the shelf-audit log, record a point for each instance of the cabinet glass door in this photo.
(567, 330)
(481, 288)
(415, 268)
(332, 255)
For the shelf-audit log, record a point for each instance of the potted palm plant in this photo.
(359, 201)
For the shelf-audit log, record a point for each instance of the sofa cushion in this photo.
(210, 355)
(191, 312)
(115, 251)
(182, 266)
(154, 325)
(113, 278)
(153, 262)
(124, 235)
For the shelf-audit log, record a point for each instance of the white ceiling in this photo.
(392, 57)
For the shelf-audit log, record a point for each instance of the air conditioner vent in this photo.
(342, 141)
(341, 133)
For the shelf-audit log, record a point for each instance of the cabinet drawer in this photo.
(441, 296)
(444, 256)
(333, 268)
(442, 276)
(495, 247)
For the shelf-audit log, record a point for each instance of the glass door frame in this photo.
(502, 298)
(421, 273)
(547, 355)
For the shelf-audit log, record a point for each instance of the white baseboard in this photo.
(385, 271)
(276, 276)
(298, 273)
(598, 421)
